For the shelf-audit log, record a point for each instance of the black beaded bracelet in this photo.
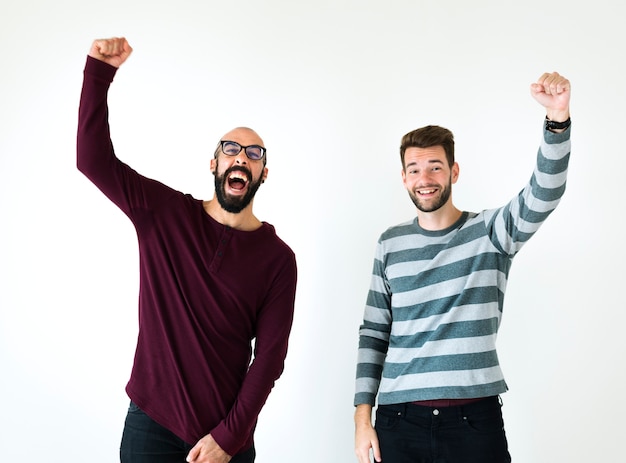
(552, 125)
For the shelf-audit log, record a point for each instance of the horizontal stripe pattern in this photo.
(436, 297)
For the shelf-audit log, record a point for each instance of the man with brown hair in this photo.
(427, 343)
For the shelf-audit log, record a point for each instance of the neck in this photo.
(440, 219)
(244, 220)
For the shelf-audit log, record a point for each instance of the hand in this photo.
(552, 91)
(112, 51)
(365, 436)
(207, 451)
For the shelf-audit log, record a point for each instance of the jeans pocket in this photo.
(486, 422)
(386, 419)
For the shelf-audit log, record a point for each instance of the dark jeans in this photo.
(472, 433)
(146, 441)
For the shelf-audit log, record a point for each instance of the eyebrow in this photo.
(430, 161)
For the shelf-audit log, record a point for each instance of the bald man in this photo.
(213, 278)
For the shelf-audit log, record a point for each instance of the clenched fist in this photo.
(113, 51)
(552, 91)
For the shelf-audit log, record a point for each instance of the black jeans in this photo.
(472, 433)
(146, 441)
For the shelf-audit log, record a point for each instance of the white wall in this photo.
(331, 86)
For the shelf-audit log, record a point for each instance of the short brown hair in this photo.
(425, 137)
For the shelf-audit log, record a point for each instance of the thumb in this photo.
(193, 454)
(376, 452)
(536, 88)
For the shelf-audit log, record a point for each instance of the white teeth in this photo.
(238, 176)
(425, 192)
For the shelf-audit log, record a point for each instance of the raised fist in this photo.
(113, 51)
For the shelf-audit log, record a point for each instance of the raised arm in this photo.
(95, 156)
(514, 224)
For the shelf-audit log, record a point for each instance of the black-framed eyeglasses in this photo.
(232, 148)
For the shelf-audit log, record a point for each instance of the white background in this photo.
(331, 86)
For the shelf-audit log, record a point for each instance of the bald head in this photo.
(244, 136)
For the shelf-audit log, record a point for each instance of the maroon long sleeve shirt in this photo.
(206, 291)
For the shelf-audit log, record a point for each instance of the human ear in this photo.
(455, 172)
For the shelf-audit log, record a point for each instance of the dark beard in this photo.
(234, 204)
(443, 198)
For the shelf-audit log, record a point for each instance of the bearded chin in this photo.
(445, 195)
(234, 204)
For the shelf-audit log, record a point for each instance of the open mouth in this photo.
(237, 180)
(426, 192)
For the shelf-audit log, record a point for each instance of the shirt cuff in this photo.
(100, 70)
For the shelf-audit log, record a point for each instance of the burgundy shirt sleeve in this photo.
(95, 155)
(273, 327)
(94, 150)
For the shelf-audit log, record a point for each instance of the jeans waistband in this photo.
(410, 409)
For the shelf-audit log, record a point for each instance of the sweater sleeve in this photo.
(511, 226)
(374, 333)
(273, 328)
(95, 155)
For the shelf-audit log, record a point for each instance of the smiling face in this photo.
(237, 178)
(428, 177)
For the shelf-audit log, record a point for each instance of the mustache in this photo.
(239, 169)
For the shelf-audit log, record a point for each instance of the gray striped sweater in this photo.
(436, 297)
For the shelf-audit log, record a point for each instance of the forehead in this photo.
(243, 136)
(430, 154)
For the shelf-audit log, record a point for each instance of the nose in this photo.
(419, 177)
(423, 177)
(241, 158)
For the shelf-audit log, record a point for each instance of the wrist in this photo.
(363, 414)
(557, 115)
